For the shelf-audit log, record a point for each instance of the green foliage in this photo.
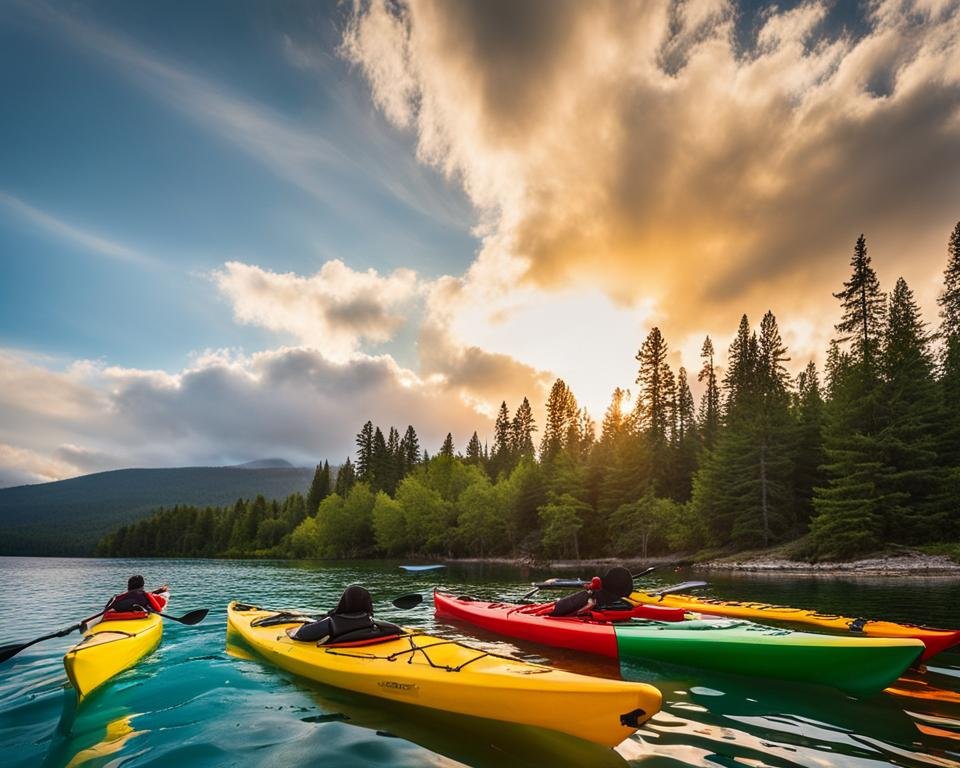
(645, 526)
(482, 517)
(389, 526)
(562, 521)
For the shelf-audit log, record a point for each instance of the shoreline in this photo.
(913, 565)
(901, 566)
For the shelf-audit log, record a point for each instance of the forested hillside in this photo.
(844, 461)
(68, 517)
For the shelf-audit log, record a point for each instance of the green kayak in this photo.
(863, 666)
(858, 665)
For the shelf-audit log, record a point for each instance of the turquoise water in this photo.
(194, 702)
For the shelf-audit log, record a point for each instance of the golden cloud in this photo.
(640, 147)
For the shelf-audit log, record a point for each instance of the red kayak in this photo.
(591, 634)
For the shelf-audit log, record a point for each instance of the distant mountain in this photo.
(266, 464)
(68, 517)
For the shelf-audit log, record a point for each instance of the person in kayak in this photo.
(351, 621)
(135, 599)
(602, 594)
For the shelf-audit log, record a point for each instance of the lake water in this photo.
(194, 702)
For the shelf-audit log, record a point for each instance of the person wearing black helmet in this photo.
(602, 594)
(135, 599)
(351, 621)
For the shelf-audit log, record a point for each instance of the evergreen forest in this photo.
(833, 463)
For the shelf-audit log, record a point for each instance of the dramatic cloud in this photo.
(641, 148)
(226, 408)
(334, 310)
(339, 310)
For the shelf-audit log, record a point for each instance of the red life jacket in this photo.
(137, 601)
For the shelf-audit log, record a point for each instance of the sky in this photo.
(237, 230)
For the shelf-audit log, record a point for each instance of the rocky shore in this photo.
(900, 565)
(912, 564)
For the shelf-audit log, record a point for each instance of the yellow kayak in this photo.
(452, 677)
(934, 640)
(108, 648)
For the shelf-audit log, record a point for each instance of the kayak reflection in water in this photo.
(602, 594)
(350, 622)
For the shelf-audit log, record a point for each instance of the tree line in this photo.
(841, 462)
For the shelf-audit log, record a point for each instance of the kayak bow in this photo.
(108, 648)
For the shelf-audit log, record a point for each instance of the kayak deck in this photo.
(447, 675)
(934, 640)
(107, 649)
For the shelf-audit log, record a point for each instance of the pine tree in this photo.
(686, 443)
(743, 489)
(853, 506)
(364, 452)
(346, 478)
(447, 448)
(710, 401)
(502, 459)
(615, 421)
(393, 462)
(949, 301)
(911, 422)
(379, 474)
(864, 307)
(741, 364)
(474, 451)
(653, 399)
(522, 430)
(807, 471)
(561, 421)
(319, 487)
(409, 450)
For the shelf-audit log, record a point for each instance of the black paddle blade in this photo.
(560, 584)
(194, 617)
(681, 587)
(11, 650)
(405, 602)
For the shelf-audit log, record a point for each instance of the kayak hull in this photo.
(861, 666)
(445, 675)
(934, 640)
(107, 649)
(855, 665)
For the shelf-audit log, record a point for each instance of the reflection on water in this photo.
(196, 702)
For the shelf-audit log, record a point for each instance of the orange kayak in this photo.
(934, 640)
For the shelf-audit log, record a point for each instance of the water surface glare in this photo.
(196, 702)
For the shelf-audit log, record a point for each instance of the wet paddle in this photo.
(580, 584)
(12, 649)
(683, 586)
(194, 617)
(576, 583)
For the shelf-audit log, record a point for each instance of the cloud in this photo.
(334, 310)
(223, 409)
(640, 148)
(19, 466)
(88, 241)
